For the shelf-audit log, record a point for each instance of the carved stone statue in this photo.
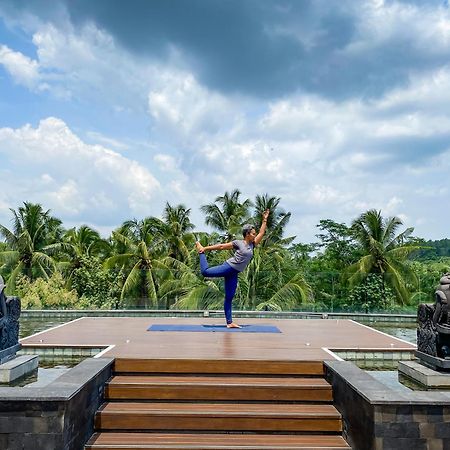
(433, 332)
(9, 322)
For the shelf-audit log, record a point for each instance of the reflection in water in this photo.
(32, 326)
(406, 332)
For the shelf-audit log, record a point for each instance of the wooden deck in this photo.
(216, 390)
(299, 340)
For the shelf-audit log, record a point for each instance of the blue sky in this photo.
(108, 109)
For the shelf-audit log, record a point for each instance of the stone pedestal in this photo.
(424, 375)
(18, 367)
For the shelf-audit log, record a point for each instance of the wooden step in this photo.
(218, 416)
(209, 366)
(166, 441)
(218, 388)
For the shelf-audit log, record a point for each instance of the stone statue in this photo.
(9, 321)
(433, 332)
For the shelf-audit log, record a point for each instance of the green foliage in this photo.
(384, 252)
(152, 262)
(227, 214)
(33, 229)
(432, 250)
(429, 274)
(372, 293)
(96, 287)
(49, 293)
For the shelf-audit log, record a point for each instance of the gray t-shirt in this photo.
(243, 255)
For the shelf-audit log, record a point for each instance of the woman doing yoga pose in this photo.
(230, 269)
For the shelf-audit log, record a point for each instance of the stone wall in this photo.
(59, 416)
(377, 417)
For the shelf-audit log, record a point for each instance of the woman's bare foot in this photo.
(233, 325)
(199, 247)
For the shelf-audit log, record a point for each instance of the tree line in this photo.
(371, 264)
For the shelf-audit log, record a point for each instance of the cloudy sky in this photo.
(108, 109)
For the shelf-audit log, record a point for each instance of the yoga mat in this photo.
(214, 328)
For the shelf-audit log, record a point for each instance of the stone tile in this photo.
(427, 430)
(397, 430)
(435, 413)
(435, 444)
(442, 430)
(404, 444)
(404, 414)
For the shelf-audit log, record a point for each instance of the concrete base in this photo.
(434, 362)
(424, 375)
(18, 367)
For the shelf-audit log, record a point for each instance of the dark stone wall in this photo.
(57, 417)
(413, 427)
(377, 417)
(81, 408)
(357, 412)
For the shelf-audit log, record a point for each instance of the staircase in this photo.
(211, 405)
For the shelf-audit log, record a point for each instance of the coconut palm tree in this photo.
(139, 255)
(33, 229)
(227, 214)
(176, 228)
(276, 222)
(385, 253)
(75, 245)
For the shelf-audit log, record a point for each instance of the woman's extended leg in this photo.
(231, 281)
(216, 271)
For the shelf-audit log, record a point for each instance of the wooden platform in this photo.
(191, 404)
(299, 340)
(211, 391)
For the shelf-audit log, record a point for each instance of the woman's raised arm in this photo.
(262, 230)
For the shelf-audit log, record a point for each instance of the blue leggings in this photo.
(230, 277)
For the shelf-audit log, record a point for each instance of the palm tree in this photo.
(385, 253)
(139, 245)
(276, 222)
(176, 228)
(75, 245)
(266, 284)
(33, 229)
(227, 214)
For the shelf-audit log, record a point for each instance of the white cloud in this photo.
(22, 69)
(79, 178)
(324, 158)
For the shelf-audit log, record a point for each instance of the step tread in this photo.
(235, 366)
(279, 382)
(222, 409)
(213, 441)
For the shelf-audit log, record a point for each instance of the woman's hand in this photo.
(265, 215)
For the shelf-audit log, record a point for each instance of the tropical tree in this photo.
(75, 246)
(265, 271)
(384, 253)
(176, 230)
(227, 214)
(276, 222)
(33, 230)
(140, 256)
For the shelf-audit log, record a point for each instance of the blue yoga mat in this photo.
(214, 328)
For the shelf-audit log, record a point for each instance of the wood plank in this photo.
(218, 388)
(160, 441)
(210, 366)
(218, 416)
